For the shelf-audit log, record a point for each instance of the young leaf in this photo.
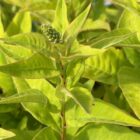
(106, 132)
(4, 134)
(76, 25)
(129, 81)
(21, 23)
(60, 20)
(30, 95)
(37, 66)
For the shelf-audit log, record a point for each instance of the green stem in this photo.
(63, 117)
(63, 132)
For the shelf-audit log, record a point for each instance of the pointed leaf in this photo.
(82, 97)
(60, 20)
(45, 134)
(130, 20)
(33, 41)
(104, 66)
(4, 134)
(1, 27)
(14, 51)
(102, 112)
(37, 66)
(129, 81)
(74, 71)
(39, 111)
(76, 25)
(106, 132)
(6, 82)
(112, 38)
(21, 23)
(30, 95)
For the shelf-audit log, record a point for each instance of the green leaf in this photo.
(130, 5)
(37, 66)
(60, 20)
(99, 9)
(95, 24)
(129, 81)
(112, 38)
(30, 95)
(48, 90)
(76, 25)
(4, 134)
(33, 41)
(104, 66)
(40, 112)
(82, 97)
(21, 23)
(6, 82)
(102, 112)
(23, 134)
(1, 27)
(130, 20)
(133, 55)
(106, 132)
(7, 108)
(74, 71)
(46, 134)
(43, 11)
(14, 52)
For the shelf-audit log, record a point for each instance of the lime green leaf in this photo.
(76, 25)
(130, 5)
(20, 3)
(30, 95)
(106, 132)
(33, 41)
(6, 82)
(21, 23)
(14, 51)
(104, 66)
(1, 27)
(47, 89)
(102, 112)
(74, 71)
(37, 66)
(4, 134)
(129, 81)
(111, 38)
(82, 97)
(23, 134)
(46, 134)
(95, 24)
(130, 20)
(39, 111)
(133, 55)
(60, 20)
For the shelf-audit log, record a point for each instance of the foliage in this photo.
(69, 70)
